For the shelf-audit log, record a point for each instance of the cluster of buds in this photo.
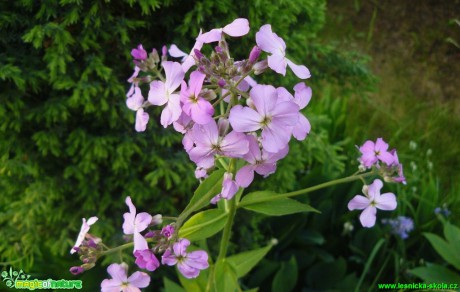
(88, 247)
(222, 112)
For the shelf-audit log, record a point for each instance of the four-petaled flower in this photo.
(372, 201)
(121, 282)
(195, 106)
(373, 152)
(135, 224)
(146, 259)
(189, 264)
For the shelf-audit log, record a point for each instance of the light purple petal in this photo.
(117, 272)
(110, 285)
(368, 216)
(265, 169)
(168, 258)
(128, 224)
(206, 135)
(214, 35)
(187, 271)
(275, 137)
(367, 147)
(302, 95)
(234, 145)
(299, 70)
(274, 157)
(142, 119)
(140, 243)
(244, 119)
(135, 101)
(254, 154)
(83, 231)
(374, 189)
(358, 203)
(229, 186)
(277, 63)
(172, 111)
(197, 259)
(284, 94)
(269, 41)
(174, 75)
(250, 81)
(386, 202)
(239, 27)
(380, 145)
(131, 288)
(196, 82)
(386, 157)
(302, 128)
(203, 156)
(202, 111)
(139, 279)
(142, 221)
(175, 52)
(285, 114)
(180, 247)
(264, 98)
(245, 176)
(157, 93)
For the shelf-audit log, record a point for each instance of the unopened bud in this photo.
(260, 67)
(223, 125)
(254, 55)
(198, 54)
(76, 270)
(89, 266)
(154, 56)
(218, 49)
(164, 51)
(221, 83)
(157, 219)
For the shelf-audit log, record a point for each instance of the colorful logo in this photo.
(20, 280)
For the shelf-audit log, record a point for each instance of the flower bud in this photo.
(254, 55)
(218, 50)
(164, 51)
(89, 266)
(76, 270)
(198, 54)
(154, 56)
(221, 83)
(157, 219)
(260, 67)
(139, 53)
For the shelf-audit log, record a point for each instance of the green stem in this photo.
(227, 230)
(312, 189)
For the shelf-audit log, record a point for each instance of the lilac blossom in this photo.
(208, 143)
(229, 188)
(135, 224)
(372, 201)
(145, 259)
(139, 53)
(188, 60)
(401, 226)
(135, 102)
(189, 264)
(260, 161)
(195, 106)
(239, 27)
(275, 118)
(163, 92)
(121, 282)
(83, 231)
(374, 152)
(271, 43)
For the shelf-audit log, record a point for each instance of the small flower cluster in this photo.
(137, 228)
(401, 226)
(220, 109)
(376, 155)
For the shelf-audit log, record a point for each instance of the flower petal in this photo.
(117, 272)
(174, 75)
(368, 216)
(139, 279)
(142, 119)
(157, 93)
(386, 202)
(358, 203)
(269, 41)
(277, 62)
(175, 52)
(244, 119)
(299, 70)
(264, 98)
(239, 27)
(245, 176)
(302, 128)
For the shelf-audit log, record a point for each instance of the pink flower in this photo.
(189, 264)
(121, 282)
(302, 98)
(145, 259)
(196, 107)
(229, 188)
(373, 152)
(208, 143)
(83, 231)
(139, 53)
(260, 161)
(163, 93)
(276, 119)
(135, 102)
(271, 43)
(135, 224)
(167, 231)
(239, 27)
(184, 125)
(372, 201)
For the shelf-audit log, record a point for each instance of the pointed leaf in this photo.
(436, 274)
(452, 234)
(225, 277)
(286, 277)
(204, 224)
(448, 252)
(279, 207)
(210, 187)
(171, 286)
(244, 262)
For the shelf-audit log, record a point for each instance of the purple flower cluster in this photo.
(400, 226)
(218, 107)
(377, 154)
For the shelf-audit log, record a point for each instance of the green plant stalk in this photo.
(227, 230)
(314, 188)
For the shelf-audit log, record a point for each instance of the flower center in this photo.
(193, 99)
(266, 121)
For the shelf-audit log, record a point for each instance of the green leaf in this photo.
(207, 190)
(452, 234)
(279, 207)
(225, 277)
(171, 286)
(194, 285)
(204, 224)
(286, 278)
(449, 253)
(258, 197)
(244, 262)
(436, 274)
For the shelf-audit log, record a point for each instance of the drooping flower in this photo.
(121, 282)
(139, 53)
(239, 27)
(135, 224)
(188, 263)
(83, 231)
(134, 102)
(208, 143)
(163, 92)
(372, 201)
(260, 161)
(271, 43)
(195, 106)
(229, 188)
(401, 226)
(146, 259)
(373, 152)
(276, 119)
